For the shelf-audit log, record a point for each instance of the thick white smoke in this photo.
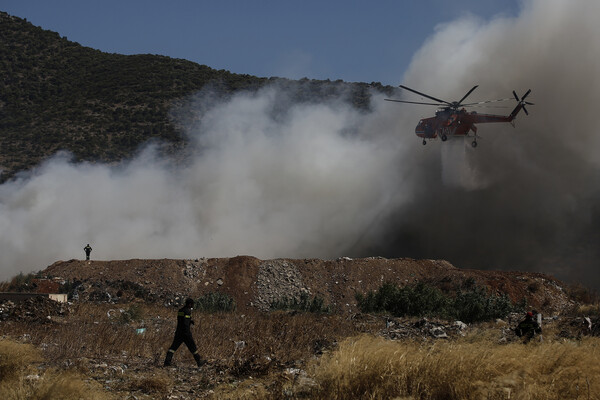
(323, 180)
(306, 182)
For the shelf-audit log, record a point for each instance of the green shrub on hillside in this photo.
(304, 303)
(215, 302)
(477, 305)
(419, 300)
(414, 300)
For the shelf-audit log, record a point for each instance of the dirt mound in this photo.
(256, 284)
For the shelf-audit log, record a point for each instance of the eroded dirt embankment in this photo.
(255, 283)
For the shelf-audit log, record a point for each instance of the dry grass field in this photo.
(95, 352)
(110, 342)
(20, 377)
(368, 367)
(100, 342)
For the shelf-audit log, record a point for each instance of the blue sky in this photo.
(349, 40)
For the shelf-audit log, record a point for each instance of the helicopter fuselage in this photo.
(456, 123)
(445, 124)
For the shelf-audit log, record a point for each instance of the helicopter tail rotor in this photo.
(522, 101)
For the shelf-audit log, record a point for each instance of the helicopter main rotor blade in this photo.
(484, 102)
(415, 102)
(425, 95)
(477, 106)
(466, 95)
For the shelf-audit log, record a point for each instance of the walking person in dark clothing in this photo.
(183, 334)
(528, 328)
(88, 250)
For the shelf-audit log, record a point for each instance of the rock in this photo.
(460, 325)
(438, 333)
(301, 384)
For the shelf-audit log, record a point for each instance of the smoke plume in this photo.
(526, 198)
(262, 178)
(269, 178)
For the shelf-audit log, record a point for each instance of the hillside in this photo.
(59, 95)
(256, 284)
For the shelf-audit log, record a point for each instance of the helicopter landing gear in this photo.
(444, 138)
(424, 142)
(474, 143)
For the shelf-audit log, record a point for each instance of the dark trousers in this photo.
(189, 342)
(183, 338)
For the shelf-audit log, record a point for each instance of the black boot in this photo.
(168, 359)
(199, 361)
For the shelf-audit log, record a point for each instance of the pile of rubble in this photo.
(34, 309)
(122, 291)
(278, 280)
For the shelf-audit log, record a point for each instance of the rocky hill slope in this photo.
(256, 284)
(58, 95)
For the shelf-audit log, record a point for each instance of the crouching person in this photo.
(528, 328)
(183, 334)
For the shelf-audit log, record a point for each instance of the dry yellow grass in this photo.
(156, 383)
(369, 367)
(16, 363)
(66, 386)
(20, 379)
(16, 359)
(248, 389)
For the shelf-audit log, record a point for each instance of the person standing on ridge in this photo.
(183, 334)
(88, 250)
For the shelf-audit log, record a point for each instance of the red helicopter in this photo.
(453, 120)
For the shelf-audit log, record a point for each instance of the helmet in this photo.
(529, 314)
(189, 302)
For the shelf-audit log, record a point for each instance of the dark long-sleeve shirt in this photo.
(184, 321)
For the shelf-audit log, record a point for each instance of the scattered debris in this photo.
(34, 309)
(424, 329)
